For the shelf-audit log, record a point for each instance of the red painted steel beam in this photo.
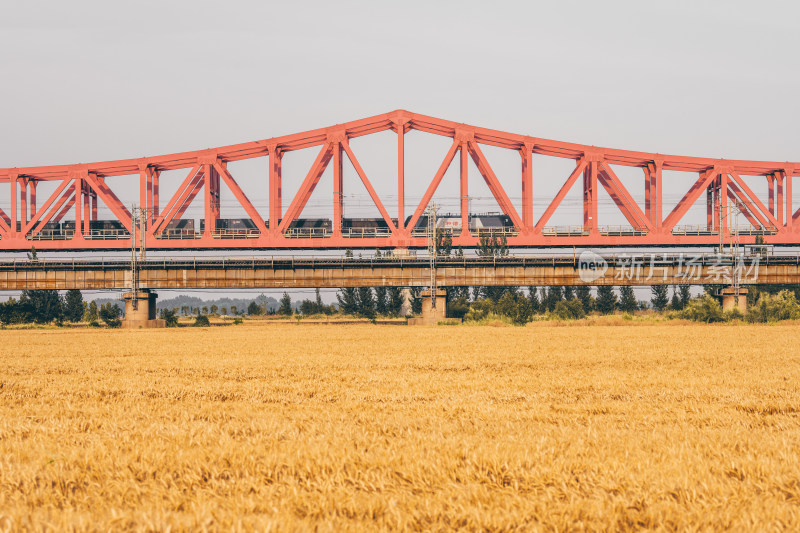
(89, 185)
(251, 211)
(622, 198)
(494, 184)
(527, 186)
(275, 191)
(307, 187)
(437, 179)
(370, 190)
(689, 198)
(186, 188)
(561, 194)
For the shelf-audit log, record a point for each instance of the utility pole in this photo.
(138, 222)
(432, 210)
(134, 266)
(737, 264)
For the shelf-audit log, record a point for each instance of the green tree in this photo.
(457, 308)
(307, 307)
(214, 309)
(318, 301)
(584, 294)
(490, 245)
(91, 313)
(675, 303)
(348, 300)
(627, 299)
(416, 301)
(201, 321)
(73, 306)
(533, 296)
(14, 312)
(444, 243)
(551, 298)
(170, 317)
(659, 299)
(381, 300)
(253, 309)
(606, 299)
(286, 305)
(567, 292)
(45, 304)
(224, 311)
(774, 307)
(685, 295)
(110, 314)
(366, 302)
(395, 305)
(517, 308)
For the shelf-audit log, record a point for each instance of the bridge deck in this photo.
(296, 272)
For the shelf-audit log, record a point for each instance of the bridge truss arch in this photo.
(66, 218)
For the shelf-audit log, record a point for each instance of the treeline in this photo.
(370, 302)
(563, 302)
(47, 306)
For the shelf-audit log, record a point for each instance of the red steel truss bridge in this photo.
(67, 218)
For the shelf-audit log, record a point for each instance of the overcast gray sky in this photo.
(98, 80)
(86, 81)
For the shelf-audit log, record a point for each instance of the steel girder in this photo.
(80, 187)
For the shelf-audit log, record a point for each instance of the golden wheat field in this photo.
(290, 427)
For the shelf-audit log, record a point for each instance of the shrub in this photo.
(238, 320)
(110, 314)
(457, 308)
(201, 322)
(569, 309)
(703, 309)
(733, 314)
(479, 310)
(170, 317)
(774, 307)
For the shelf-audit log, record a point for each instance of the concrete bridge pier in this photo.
(431, 315)
(140, 310)
(406, 296)
(734, 298)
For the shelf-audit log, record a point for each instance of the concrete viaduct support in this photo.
(140, 310)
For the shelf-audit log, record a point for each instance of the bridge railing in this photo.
(763, 255)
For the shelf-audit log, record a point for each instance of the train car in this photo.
(312, 223)
(366, 223)
(181, 228)
(477, 223)
(50, 230)
(107, 226)
(365, 227)
(309, 227)
(491, 222)
(234, 226)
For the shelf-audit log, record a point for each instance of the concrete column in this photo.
(729, 299)
(431, 315)
(144, 314)
(405, 295)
